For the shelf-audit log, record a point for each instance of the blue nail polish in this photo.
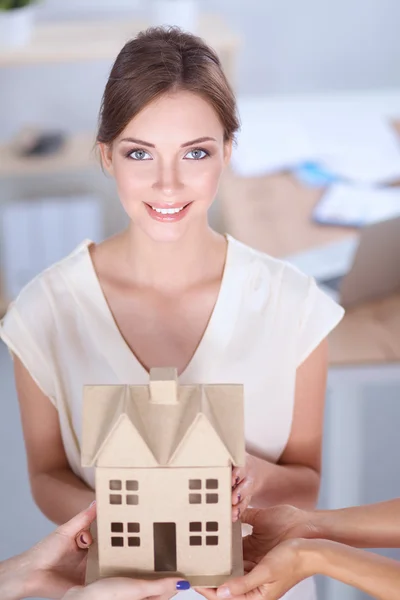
(183, 585)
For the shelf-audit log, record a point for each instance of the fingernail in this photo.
(183, 585)
(237, 480)
(82, 539)
(223, 592)
(92, 504)
(239, 497)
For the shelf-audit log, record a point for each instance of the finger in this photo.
(159, 587)
(236, 476)
(244, 503)
(244, 487)
(84, 539)
(208, 593)
(248, 565)
(249, 516)
(239, 509)
(243, 585)
(235, 514)
(80, 522)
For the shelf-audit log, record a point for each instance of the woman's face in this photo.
(167, 164)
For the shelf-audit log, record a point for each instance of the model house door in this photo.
(164, 546)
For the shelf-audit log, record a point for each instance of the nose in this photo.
(168, 180)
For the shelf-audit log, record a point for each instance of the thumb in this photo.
(243, 585)
(159, 587)
(250, 515)
(81, 521)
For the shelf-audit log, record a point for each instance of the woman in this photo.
(301, 544)
(171, 291)
(55, 568)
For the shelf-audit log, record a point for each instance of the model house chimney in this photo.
(163, 385)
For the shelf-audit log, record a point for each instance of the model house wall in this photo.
(184, 511)
(163, 457)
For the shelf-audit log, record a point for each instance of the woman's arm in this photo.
(296, 478)
(57, 491)
(14, 583)
(371, 526)
(373, 574)
(295, 560)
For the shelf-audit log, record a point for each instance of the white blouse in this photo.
(267, 319)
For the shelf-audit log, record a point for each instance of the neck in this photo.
(171, 266)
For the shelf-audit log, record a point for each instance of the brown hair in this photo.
(157, 61)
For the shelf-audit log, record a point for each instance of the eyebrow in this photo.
(149, 145)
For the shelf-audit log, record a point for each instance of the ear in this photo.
(227, 151)
(106, 157)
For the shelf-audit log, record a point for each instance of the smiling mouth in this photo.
(168, 211)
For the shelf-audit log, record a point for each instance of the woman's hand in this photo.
(243, 484)
(127, 589)
(285, 566)
(271, 526)
(58, 562)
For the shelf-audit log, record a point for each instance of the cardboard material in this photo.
(163, 455)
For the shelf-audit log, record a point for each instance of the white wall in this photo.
(288, 46)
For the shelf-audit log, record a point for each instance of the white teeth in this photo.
(168, 211)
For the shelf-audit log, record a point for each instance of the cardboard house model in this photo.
(163, 455)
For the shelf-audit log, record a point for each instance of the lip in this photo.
(158, 205)
(168, 218)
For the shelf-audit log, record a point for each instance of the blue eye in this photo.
(197, 154)
(139, 155)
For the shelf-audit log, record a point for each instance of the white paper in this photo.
(352, 205)
(270, 140)
(349, 134)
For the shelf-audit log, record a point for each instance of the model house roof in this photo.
(163, 424)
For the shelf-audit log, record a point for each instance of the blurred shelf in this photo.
(76, 154)
(77, 41)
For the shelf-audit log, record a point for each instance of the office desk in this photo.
(272, 214)
(360, 450)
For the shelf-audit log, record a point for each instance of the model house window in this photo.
(202, 531)
(125, 538)
(202, 495)
(130, 485)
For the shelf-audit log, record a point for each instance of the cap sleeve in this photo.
(320, 316)
(26, 329)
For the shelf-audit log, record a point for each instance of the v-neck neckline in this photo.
(122, 357)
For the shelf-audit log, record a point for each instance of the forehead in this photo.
(178, 116)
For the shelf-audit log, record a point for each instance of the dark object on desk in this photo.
(45, 144)
(31, 142)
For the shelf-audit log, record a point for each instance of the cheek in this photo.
(204, 178)
(130, 177)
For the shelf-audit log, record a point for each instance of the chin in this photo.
(165, 233)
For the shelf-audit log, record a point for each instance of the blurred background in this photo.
(314, 179)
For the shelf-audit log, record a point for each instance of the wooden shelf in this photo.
(77, 41)
(76, 154)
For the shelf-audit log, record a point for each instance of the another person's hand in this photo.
(243, 482)
(271, 526)
(285, 566)
(127, 589)
(58, 562)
